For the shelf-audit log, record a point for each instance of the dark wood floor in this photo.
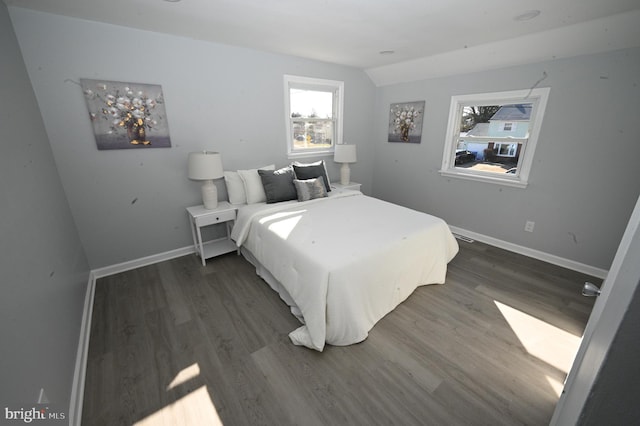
(179, 343)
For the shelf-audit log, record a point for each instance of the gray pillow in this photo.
(310, 171)
(278, 185)
(309, 189)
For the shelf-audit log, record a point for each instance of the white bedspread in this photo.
(345, 261)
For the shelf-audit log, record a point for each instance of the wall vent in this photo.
(463, 238)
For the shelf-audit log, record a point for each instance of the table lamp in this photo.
(206, 166)
(345, 154)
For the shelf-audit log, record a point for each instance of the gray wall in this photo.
(585, 178)
(130, 204)
(43, 266)
(218, 97)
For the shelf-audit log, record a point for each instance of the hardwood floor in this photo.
(178, 343)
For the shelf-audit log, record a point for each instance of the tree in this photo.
(473, 115)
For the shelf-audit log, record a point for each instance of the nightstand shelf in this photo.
(217, 247)
(200, 217)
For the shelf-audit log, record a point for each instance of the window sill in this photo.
(497, 180)
(295, 155)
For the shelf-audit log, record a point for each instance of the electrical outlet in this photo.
(528, 226)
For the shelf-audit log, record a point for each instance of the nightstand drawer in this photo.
(218, 217)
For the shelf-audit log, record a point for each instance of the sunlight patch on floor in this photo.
(555, 385)
(541, 339)
(185, 375)
(195, 408)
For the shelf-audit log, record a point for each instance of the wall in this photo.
(44, 269)
(584, 181)
(130, 204)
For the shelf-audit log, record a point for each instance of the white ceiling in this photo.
(354, 32)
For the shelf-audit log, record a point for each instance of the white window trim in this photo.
(537, 96)
(313, 83)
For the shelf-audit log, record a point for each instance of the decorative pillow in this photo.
(235, 188)
(309, 189)
(278, 185)
(253, 184)
(312, 170)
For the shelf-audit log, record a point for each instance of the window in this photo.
(492, 137)
(506, 149)
(313, 111)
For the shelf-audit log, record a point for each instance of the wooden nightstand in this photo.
(200, 217)
(337, 186)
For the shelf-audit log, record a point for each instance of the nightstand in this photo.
(337, 186)
(200, 217)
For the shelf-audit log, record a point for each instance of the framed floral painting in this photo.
(126, 115)
(405, 122)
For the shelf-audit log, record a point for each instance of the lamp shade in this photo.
(205, 165)
(345, 153)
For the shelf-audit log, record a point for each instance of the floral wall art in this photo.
(126, 115)
(405, 122)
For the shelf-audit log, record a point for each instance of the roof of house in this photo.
(480, 129)
(513, 112)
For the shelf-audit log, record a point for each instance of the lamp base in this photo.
(209, 195)
(345, 174)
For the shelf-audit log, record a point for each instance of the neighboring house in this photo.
(479, 130)
(508, 121)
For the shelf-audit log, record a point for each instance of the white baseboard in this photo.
(144, 261)
(536, 254)
(77, 390)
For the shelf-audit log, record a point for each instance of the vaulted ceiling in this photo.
(390, 39)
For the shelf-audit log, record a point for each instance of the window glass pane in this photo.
(311, 103)
(497, 120)
(488, 156)
(312, 134)
(484, 129)
(313, 109)
(492, 137)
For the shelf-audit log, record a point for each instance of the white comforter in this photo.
(345, 261)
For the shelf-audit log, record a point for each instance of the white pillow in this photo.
(235, 188)
(253, 184)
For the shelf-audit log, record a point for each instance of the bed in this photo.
(344, 261)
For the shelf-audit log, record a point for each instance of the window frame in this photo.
(318, 84)
(538, 97)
